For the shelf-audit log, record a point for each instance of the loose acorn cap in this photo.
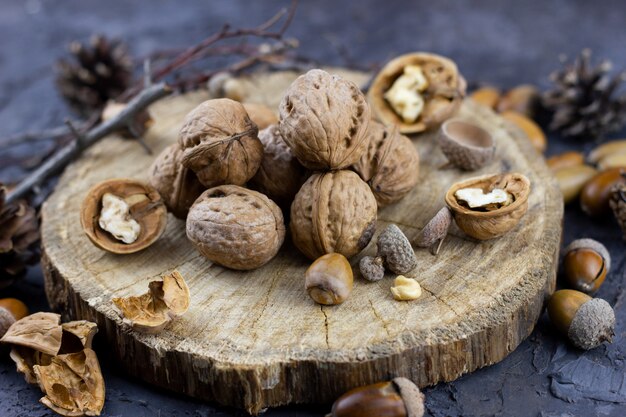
(372, 268)
(466, 145)
(146, 207)
(435, 231)
(442, 98)
(485, 225)
(396, 251)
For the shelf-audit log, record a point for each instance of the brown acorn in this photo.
(595, 195)
(587, 322)
(11, 310)
(397, 398)
(586, 264)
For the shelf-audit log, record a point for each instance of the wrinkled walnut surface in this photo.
(220, 143)
(333, 212)
(146, 207)
(390, 164)
(324, 119)
(236, 227)
(280, 175)
(442, 98)
(178, 186)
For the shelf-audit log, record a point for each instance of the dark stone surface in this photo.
(503, 42)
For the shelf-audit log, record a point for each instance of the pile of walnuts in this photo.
(323, 161)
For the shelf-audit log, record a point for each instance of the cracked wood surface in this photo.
(254, 339)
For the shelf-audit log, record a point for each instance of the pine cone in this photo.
(618, 205)
(584, 101)
(99, 72)
(19, 237)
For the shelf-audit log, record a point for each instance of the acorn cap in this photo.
(372, 268)
(435, 230)
(466, 145)
(593, 245)
(593, 323)
(411, 395)
(6, 320)
(396, 250)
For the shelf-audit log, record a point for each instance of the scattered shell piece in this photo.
(152, 311)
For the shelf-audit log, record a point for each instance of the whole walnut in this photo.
(324, 119)
(280, 175)
(390, 165)
(220, 143)
(333, 212)
(178, 186)
(236, 227)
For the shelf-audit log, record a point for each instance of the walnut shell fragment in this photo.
(441, 98)
(281, 175)
(324, 119)
(390, 164)
(220, 143)
(146, 208)
(178, 186)
(236, 227)
(152, 311)
(261, 115)
(72, 383)
(333, 212)
(488, 224)
(39, 331)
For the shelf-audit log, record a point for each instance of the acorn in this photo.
(466, 145)
(522, 99)
(586, 264)
(397, 398)
(487, 96)
(586, 321)
(11, 310)
(532, 130)
(565, 160)
(595, 195)
(329, 279)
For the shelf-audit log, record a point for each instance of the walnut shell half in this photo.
(485, 225)
(390, 165)
(324, 119)
(236, 227)
(146, 208)
(333, 212)
(177, 184)
(280, 175)
(220, 143)
(442, 97)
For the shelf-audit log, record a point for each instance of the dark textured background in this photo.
(502, 42)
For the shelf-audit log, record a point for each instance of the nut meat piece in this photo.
(280, 175)
(324, 120)
(333, 212)
(146, 208)
(390, 164)
(152, 311)
(178, 186)
(220, 143)
(236, 227)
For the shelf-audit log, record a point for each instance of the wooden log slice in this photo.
(255, 339)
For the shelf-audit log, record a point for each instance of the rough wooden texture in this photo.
(255, 339)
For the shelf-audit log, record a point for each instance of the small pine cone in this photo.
(19, 237)
(98, 72)
(618, 205)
